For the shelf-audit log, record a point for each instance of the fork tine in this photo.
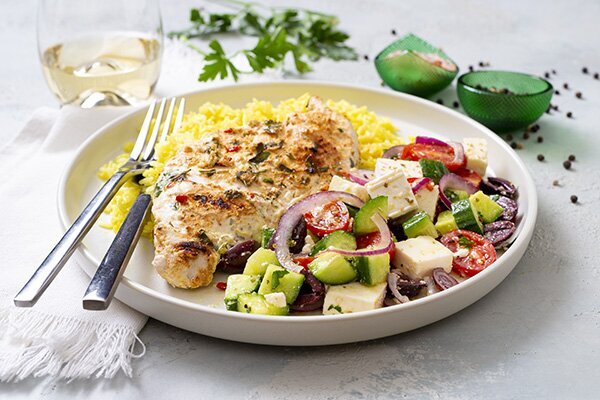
(149, 150)
(143, 135)
(168, 121)
(180, 110)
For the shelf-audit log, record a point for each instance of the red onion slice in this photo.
(453, 181)
(393, 152)
(382, 246)
(393, 286)
(290, 219)
(419, 184)
(459, 153)
(430, 140)
(361, 176)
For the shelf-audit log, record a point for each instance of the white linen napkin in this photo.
(56, 337)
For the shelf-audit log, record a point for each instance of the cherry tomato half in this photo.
(470, 176)
(329, 217)
(364, 241)
(303, 261)
(479, 252)
(444, 154)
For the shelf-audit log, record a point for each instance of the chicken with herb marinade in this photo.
(225, 187)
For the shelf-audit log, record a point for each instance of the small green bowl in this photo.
(527, 99)
(402, 68)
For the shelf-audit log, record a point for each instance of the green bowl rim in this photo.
(378, 59)
(460, 81)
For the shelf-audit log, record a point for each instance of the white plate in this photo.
(202, 310)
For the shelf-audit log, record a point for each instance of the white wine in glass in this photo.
(98, 63)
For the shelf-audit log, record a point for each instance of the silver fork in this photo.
(103, 285)
(139, 160)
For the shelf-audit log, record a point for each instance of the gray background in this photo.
(537, 335)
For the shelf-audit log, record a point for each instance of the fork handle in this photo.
(51, 266)
(104, 283)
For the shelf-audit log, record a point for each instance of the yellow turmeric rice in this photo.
(375, 134)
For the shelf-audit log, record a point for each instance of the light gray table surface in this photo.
(537, 335)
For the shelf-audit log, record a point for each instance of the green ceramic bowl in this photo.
(403, 67)
(504, 101)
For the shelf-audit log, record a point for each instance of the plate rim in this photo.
(528, 221)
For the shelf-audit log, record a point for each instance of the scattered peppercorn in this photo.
(540, 139)
(596, 76)
(519, 146)
(584, 70)
(366, 57)
(566, 86)
(440, 101)
(471, 69)
(481, 64)
(382, 83)
(513, 145)
(455, 104)
(526, 135)
(546, 75)
(572, 157)
(555, 182)
(574, 199)
(578, 95)
(553, 72)
(569, 114)
(567, 164)
(394, 32)
(556, 92)
(540, 157)
(534, 128)
(549, 109)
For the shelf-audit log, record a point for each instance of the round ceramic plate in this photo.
(202, 310)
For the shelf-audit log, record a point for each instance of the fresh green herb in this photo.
(268, 180)
(204, 239)
(167, 178)
(465, 242)
(231, 194)
(276, 277)
(303, 35)
(271, 127)
(336, 308)
(261, 154)
(267, 234)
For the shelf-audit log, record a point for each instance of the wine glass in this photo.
(100, 52)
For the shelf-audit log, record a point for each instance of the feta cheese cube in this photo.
(394, 185)
(476, 153)
(277, 299)
(427, 200)
(344, 185)
(353, 297)
(417, 257)
(412, 169)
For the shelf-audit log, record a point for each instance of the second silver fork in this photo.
(103, 285)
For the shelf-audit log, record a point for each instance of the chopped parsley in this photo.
(465, 242)
(276, 277)
(336, 308)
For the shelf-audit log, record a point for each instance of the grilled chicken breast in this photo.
(225, 187)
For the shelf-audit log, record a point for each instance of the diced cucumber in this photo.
(332, 269)
(259, 261)
(278, 279)
(445, 222)
(466, 217)
(455, 195)
(362, 220)
(488, 209)
(254, 303)
(373, 269)
(266, 235)
(419, 225)
(239, 284)
(433, 169)
(338, 239)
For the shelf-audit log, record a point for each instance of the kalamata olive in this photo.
(500, 186)
(395, 226)
(234, 259)
(443, 279)
(405, 286)
(312, 294)
(297, 240)
(510, 208)
(497, 232)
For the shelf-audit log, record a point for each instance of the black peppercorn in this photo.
(584, 70)
(553, 72)
(526, 135)
(566, 86)
(455, 104)
(481, 64)
(535, 128)
(394, 32)
(572, 157)
(513, 145)
(579, 95)
(471, 69)
(569, 114)
(556, 92)
(540, 157)
(596, 76)
(574, 199)
(547, 75)
(567, 164)
(440, 101)
(366, 57)
(540, 139)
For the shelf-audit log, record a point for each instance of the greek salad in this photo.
(424, 220)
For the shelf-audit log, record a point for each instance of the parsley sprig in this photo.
(305, 35)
